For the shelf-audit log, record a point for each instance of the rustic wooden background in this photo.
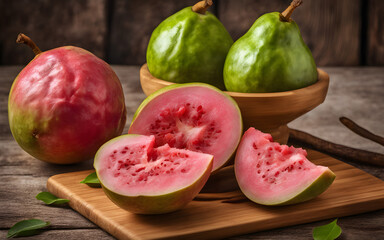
(339, 32)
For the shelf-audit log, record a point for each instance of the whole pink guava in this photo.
(65, 104)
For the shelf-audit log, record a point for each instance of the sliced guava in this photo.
(272, 174)
(193, 116)
(143, 179)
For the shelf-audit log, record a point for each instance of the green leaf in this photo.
(327, 232)
(26, 228)
(92, 180)
(49, 198)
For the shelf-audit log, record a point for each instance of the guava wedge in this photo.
(272, 174)
(143, 179)
(193, 116)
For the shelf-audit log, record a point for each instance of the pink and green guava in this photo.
(65, 104)
(142, 178)
(272, 174)
(193, 116)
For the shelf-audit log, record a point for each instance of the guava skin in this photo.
(65, 104)
(189, 47)
(159, 204)
(270, 57)
(319, 186)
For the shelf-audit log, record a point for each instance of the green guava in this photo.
(270, 57)
(189, 47)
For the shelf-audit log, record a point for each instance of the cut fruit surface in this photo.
(143, 179)
(272, 174)
(194, 116)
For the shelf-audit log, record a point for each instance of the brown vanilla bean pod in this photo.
(217, 196)
(354, 154)
(351, 125)
(236, 200)
(221, 181)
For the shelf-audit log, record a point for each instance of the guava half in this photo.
(193, 116)
(143, 179)
(272, 174)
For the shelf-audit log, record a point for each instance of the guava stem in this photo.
(202, 6)
(286, 15)
(21, 38)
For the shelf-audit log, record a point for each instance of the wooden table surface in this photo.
(357, 93)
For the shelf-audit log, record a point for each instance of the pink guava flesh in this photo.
(273, 174)
(144, 179)
(193, 117)
(65, 104)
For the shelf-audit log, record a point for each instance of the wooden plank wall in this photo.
(51, 24)
(375, 33)
(326, 26)
(339, 33)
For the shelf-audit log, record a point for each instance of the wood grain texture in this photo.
(353, 192)
(119, 30)
(23, 176)
(51, 232)
(132, 25)
(356, 93)
(375, 32)
(331, 29)
(33, 208)
(51, 24)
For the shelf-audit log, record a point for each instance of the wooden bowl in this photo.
(268, 112)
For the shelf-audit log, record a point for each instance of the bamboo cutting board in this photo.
(353, 192)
